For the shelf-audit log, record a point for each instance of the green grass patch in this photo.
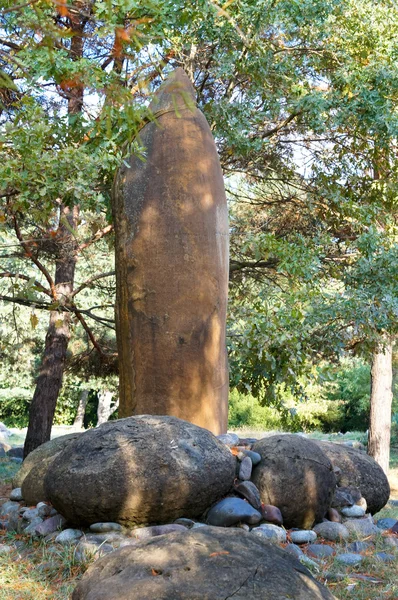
(8, 469)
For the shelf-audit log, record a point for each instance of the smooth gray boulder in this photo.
(140, 470)
(359, 470)
(206, 563)
(296, 476)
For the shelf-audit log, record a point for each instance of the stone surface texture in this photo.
(30, 476)
(140, 470)
(332, 532)
(171, 226)
(296, 476)
(197, 564)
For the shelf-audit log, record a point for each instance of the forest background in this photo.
(302, 100)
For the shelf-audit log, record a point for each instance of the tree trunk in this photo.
(380, 406)
(105, 408)
(49, 382)
(81, 409)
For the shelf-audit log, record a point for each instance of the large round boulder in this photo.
(359, 470)
(296, 476)
(209, 562)
(140, 470)
(31, 475)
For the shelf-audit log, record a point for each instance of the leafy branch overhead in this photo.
(302, 101)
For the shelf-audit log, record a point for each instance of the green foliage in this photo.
(245, 411)
(349, 387)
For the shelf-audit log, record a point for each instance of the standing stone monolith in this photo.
(171, 224)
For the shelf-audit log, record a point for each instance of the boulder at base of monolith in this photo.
(171, 228)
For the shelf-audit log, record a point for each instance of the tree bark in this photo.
(81, 409)
(380, 406)
(49, 382)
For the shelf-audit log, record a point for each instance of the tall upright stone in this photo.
(171, 226)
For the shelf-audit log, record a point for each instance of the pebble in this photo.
(333, 532)
(9, 508)
(294, 550)
(359, 546)
(144, 533)
(308, 562)
(270, 532)
(349, 558)
(272, 514)
(248, 490)
(105, 527)
(68, 536)
(30, 514)
(362, 502)
(320, 550)
(188, 523)
(245, 469)
(50, 525)
(5, 549)
(16, 494)
(333, 515)
(354, 511)
(255, 457)
(229, 439)
(384, 557)
(231, 511)
(31, 528)
(44, 509)
(247, 441)
(14, 523)
(303, 536)
(342, 497)
(361, 527)
(386, 523)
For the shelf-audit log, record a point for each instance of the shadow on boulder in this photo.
(296, 476)
(140, 470)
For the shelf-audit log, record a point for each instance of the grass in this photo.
(347, 583)
(38, 571)
(7, 470)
